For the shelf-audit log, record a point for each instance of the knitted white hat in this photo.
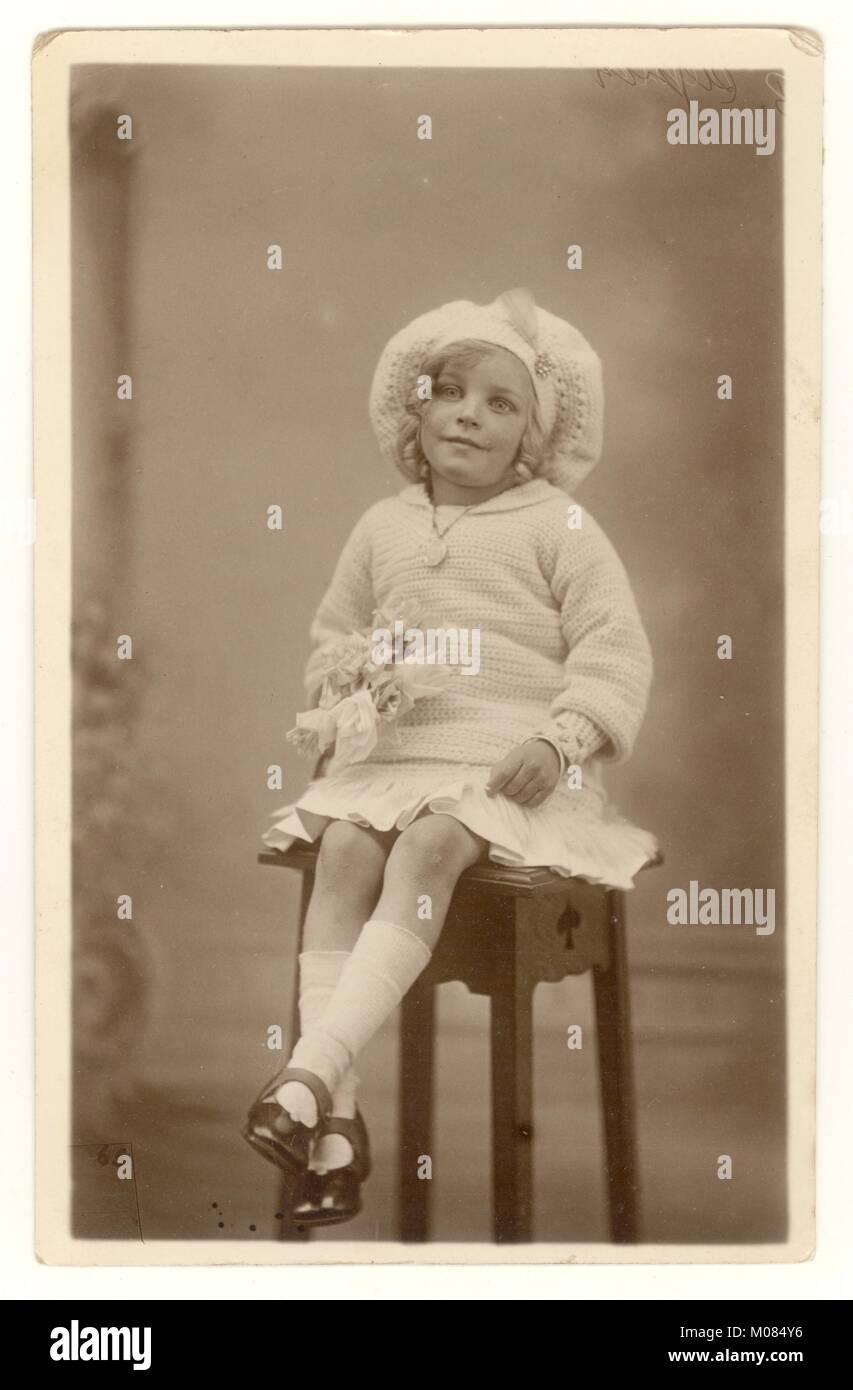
(565, 372)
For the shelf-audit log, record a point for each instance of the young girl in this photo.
(493, 414)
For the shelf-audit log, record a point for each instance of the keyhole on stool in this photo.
(567, 923)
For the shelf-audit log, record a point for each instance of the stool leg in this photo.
(512, 1103)
(287, 1230)
(417, 1031)
(613, 1018)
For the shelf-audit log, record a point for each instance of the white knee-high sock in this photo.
(385, 962)
(319, 972)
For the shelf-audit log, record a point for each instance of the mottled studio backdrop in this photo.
(250, 388)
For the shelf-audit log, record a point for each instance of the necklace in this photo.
(434, 550)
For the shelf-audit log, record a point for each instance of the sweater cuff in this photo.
(574, 736)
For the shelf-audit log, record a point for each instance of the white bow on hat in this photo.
(565, 372)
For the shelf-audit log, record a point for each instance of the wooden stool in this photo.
(506, 930)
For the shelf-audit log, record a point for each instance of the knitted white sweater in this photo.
(563, 652)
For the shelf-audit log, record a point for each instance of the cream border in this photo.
(800, 54)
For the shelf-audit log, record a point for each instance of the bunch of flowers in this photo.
(358, 692)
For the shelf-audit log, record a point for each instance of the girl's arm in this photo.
(608, 669)
(347, 604)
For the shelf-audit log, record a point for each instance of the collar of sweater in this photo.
(524, 495)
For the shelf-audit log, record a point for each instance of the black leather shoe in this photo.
(324, 1199)
(272, 1133)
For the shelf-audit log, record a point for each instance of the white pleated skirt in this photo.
(577, 833)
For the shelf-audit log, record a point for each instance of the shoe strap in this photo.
(349, 1129)
(316, 1085)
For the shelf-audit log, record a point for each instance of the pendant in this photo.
(434, 552)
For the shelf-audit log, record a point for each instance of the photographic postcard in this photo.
(426, 433)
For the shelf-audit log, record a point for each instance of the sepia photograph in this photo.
(427, 466)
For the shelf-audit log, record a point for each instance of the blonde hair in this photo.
(464, 353)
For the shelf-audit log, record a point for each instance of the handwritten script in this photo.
(681, 80)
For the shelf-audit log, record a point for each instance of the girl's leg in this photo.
(425, 862)
(348, 878)
(347, 881)
(393, 948)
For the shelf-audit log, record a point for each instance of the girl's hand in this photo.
(528, 774)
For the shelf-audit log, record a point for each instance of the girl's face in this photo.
(473, 425)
